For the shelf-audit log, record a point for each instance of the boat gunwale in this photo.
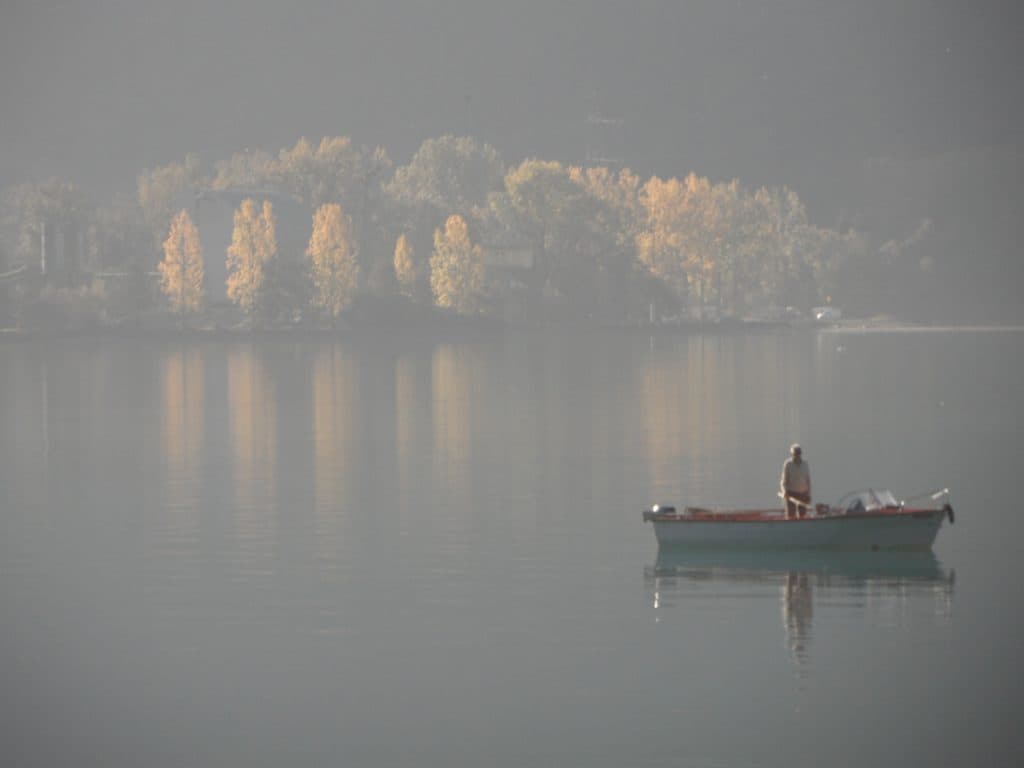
(769, 516)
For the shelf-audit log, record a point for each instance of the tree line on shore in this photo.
(454, 228)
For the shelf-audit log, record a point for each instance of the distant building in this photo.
(61, 251)
(511, 259)
(510, 267)
(827, 314)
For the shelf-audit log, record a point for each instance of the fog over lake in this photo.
(376, 552)
(900, 123)
(343, 346)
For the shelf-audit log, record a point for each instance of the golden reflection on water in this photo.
(408, 431)
(688, 412)
(693, 399)
(182, 400)
(452, 410)
(252, 410)
(337, 427)
(662, 402)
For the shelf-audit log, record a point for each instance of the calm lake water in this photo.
(386, 552)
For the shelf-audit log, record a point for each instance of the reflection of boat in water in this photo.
(797, 577)
(864, 520)
(680, 573)
(771, 565)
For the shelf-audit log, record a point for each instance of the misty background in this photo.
(401, 541)
(879, 115)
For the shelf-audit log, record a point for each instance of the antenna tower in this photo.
(603, 137)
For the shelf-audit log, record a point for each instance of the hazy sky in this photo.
(783, 91)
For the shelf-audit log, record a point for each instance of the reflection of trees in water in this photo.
(455, 414)
(408, 428)
(338, 412)
(690, 415)
(252, 405)
(182, 412)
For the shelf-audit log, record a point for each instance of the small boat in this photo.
(862, 520)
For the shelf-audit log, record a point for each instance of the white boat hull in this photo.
(905, 530)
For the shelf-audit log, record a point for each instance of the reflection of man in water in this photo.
(796, 611)
(796, 482)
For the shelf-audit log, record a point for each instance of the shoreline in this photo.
(459, 328)
(921, 328)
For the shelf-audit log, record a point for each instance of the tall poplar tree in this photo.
(405, 268)
(181, 270)
(253, 244)
(333, 262)
(457, 268)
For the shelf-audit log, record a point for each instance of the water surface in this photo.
(386, 553)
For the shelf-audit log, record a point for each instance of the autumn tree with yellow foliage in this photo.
(333, 263)
(669, 243)
(181, 270)
(405, 268)
(253, 244)
(457, 275)
(588, 242)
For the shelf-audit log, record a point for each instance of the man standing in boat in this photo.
(796, 483)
